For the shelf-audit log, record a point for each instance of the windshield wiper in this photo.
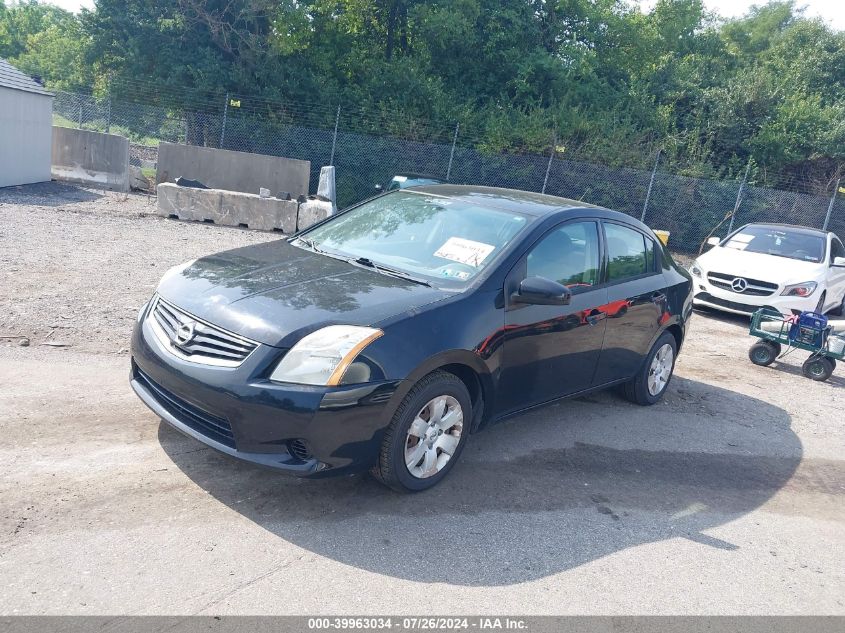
(386, 270)
(311, 244)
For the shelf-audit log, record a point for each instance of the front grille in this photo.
(723, 303)
(756, 287)
(212, 426)
(198, 341)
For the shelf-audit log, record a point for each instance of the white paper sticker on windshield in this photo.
(400, 178)
(742, 237)
(464, 251)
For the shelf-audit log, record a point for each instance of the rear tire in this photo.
(413, 434)
(652, 380)
(764, 353)
(817, 368)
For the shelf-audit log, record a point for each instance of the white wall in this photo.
(26, 129)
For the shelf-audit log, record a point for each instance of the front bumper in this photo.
(304, 430)
(711, 296)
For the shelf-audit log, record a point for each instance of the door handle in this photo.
(595, 316)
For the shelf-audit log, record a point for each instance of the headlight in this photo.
(800, 290)
(695, 269)
(322, 357)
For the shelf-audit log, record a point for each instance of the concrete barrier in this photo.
(234, 208)
(232, 171)
(90, 158)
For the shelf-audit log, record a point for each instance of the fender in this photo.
(464, 358)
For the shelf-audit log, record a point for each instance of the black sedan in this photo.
(381, 338)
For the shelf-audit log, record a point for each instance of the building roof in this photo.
(11, 77)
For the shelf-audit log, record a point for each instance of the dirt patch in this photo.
(77, 263)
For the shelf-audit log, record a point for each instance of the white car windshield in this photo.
(420, 234)
(778, 241)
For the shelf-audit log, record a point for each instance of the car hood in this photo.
(779, 270)
(275, 293)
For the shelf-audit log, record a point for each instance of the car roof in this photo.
(795, 228)
(410, 174)
(527, 202)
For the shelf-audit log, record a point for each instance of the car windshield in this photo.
(778, 241)
(420, 234)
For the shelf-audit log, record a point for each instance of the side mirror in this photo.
(542, 291)
(839, 262)
(713, 241)
(379, 188)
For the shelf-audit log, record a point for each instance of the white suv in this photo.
(789, 268)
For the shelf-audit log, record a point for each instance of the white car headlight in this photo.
(800, 290)
(322, 357)
(696, 269)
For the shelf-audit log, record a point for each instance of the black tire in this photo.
(840, 311)
(817, 368)
(764, 353)
(636, 390)
(391, 469)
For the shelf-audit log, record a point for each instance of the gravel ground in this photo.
(105, 257)
(727, 498)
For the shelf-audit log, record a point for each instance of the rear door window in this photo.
(627, 254)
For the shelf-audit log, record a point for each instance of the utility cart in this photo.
(808, 331)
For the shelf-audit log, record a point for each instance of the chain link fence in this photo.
(368, 150)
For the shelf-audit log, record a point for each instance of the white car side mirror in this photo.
(713, 241)
(838, 261)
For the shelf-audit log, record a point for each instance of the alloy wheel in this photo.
(661, 369)
(433, 436)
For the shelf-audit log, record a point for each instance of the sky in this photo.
(832, 11)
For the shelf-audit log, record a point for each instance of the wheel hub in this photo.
(661, 369)
(433, 436)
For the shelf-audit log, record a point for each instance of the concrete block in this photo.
(326, 189)
(232, 171)
(188, 204)
(230, 208)
(313, 211)
(90, 158)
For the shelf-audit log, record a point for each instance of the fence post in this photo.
(738, 198)
(334, 138)
(452, 153)
(549, 165)
(79, 123)
(108, 115)
(650, 185)
(225, 114)
(830, 206)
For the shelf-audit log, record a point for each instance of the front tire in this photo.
(764, 353)
(426, 435)
(650, 383)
